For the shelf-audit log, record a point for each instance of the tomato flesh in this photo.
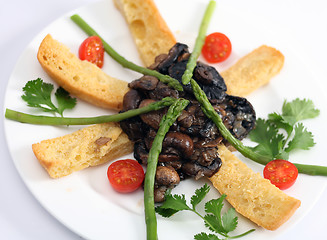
(125, 175)
(217, 47)
(281, 173)
(92, 50)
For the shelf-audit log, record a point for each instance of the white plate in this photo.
(84, 201)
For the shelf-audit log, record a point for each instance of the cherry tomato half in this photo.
(92, 50)
(217, 47)
(281, 173)
(125, 175)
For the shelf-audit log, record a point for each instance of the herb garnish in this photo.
(283, 132)
(38, 94)
(215, 220)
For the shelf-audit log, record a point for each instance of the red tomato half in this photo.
(217, 47)
(281, 173)
(125, 175)
(92, 50)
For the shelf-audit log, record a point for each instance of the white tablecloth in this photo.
(21, 216)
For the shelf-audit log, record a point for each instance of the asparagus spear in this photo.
(150, 217)
(172, 82)
(244, 150)
(47, 120)
(198, 43)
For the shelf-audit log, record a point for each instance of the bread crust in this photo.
(80, 78)
(250, 194)
(253, 70)
(89, 146)
(151, 34)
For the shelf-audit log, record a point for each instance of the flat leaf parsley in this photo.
(215, 220)
(281, 133)
(38, 94)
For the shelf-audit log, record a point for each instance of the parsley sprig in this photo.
(218, 222)
(38, 94)
(283, 132)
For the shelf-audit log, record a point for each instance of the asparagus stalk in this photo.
(47, 120)
(150, 217)
(172, 82)
(198, 43)
(244, 150)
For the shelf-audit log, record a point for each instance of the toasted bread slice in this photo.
(150, 31)
(80, 78)
(89, 146)
(250, 194)
(253, 71)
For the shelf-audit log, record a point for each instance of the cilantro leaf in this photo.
(199, 195)
(214, 224)
(38, 94)
(174, 202)
(65, 101)
(303, 139)
(278, 121)
(298, 110)
(229, 220)
(204, 236)
(281, 133)
(165, 212)
(270, 141)
(214, 220)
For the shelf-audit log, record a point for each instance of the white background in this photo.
(21, 216)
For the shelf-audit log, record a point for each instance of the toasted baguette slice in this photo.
(150, 31)
(80, 78)
(250, 194)
(86, 147)
(253, 71)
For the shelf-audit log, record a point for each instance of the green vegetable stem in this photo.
(47, 120)
(150, 217)
(244, 150)
(198, 43)
(121, 60)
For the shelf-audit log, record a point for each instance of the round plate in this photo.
(84, 201)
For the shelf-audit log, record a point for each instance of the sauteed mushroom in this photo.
(190, 148)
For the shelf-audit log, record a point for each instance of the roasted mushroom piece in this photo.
(190, 146)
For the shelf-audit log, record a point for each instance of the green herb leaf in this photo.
(229, 220)
(204, 236)
(298, 110)
(214, 223)
(65, 101)
(175, 202)
(38, 94)
(221, 224)
(199, 195)
(165, 212)
(303, 139)
(281, 133)
(270, 141)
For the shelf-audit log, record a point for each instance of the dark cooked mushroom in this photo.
(134, 128)
(161, 91)
(182, 142)
(208, 75)
(167, 176)
(151, 118)
(197, 171)
(144, 83)
(131, 100)
(190, 147)
(177, 50)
